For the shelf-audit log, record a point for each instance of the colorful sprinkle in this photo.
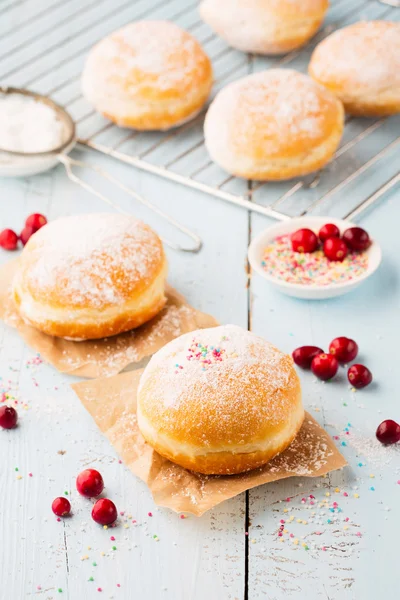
(281, 262)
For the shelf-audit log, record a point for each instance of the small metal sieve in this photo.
(16, 164)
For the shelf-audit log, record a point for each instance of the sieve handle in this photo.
(69, 163)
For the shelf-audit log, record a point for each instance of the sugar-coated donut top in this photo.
(301, 6)
(218, 380)
(90, 261)
(145, 58)
(364, 54)
(275, 112)
(278, 8)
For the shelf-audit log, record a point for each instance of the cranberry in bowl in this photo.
(311, 275)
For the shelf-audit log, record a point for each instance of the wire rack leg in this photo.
(69, 162)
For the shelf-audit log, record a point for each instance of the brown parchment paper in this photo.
(109, 356)
(112, 403)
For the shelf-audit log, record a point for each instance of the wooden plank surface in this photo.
(43, 45)
(193, 557)
(345, 559)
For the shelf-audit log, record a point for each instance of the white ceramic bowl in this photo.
(298, 290)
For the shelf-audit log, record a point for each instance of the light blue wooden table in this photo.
(232, 552)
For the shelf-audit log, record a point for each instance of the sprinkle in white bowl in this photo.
(309, 276)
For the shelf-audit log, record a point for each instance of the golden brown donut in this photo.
(148, 75)
(219, 401)
(273, 125)
(264, 26)
(360, 64)
(90, 276)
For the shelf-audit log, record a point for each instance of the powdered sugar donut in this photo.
(148, 75)
(360, 64)
(264, 26)
(273, 125)
(219, 401)
(90, 276)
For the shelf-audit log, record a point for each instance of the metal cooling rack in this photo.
(58, 37)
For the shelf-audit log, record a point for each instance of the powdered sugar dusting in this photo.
(275, 107)
(146, 54)
(133, 346)
(92, 260)
(369, 448)
(299, 5)
(367, 54)
(310, 449)
(226, 374)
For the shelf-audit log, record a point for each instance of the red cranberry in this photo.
(304, 240)
(104, 512)
(324, 366)
(344, 349)
(90, 483)
(8, 417)
(388, 432)
(36, 221)
(303, 356)
(328, 231)
(335, 249)
(359, 376)
(61, 507)
(26, 234)
(356, 238)
(8, 239)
